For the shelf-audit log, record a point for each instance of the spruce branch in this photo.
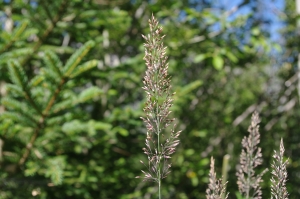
(62, 8)
(20, 107)
(73, 61)
(251, 157)
(157, 109)
(76, 58)
(15, 36)
(19, 78)
(279, 178)
(45, 6)
(53, 62)
(41, 122)
(46, 33)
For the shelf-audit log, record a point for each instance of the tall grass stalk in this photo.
(216, 187)
(251, 157)
(225, 168)
(279, 178)
(160, 141)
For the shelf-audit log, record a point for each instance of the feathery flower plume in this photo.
(279, 178)
(216, 188)
(251, 157)
(159, 144)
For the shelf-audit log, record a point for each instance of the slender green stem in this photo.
(157, 128)
(158, 150)
(225, 173)
(159, 194)
(159, 174)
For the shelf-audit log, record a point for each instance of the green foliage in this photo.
(17, 74)
(71, 99)
(16, 35)
(76, 58)
(218, 62)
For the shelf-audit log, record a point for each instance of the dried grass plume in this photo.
(216, 188)
(279, 178)
(251, 157)
(160, 141)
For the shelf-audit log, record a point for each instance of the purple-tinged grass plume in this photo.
(160, 143)
(216, 188)
(251, 157)
(279, 178)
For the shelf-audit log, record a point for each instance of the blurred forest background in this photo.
(71, 100)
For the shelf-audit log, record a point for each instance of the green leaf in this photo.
(50, 76)
(15, 90)
(57, 120)
(5, 35)
(199, 58)
(11, 103)
(4, 125)
(60, 106)
(93, 126)
(84, 67)
(15, 36)
(16, 117)
(73, 127)
(189, 152)
(89, 94)
(231, 56)
(83, 175)
(20, 30)
(101, 125)
(239, 195)
(53, 62)
(57, 49)
(190, 87)
(29, 32)
(199, 133)
(88, 14)
(17, 74)
(218, 62)
(16, 53)
(20, 107)
(31, 168)
(255, 31)
(121, 131)
(36, 81)
(204, 162)
(54, 170)
(76, 58)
